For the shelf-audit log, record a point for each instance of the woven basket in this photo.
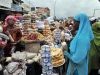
(33, 47)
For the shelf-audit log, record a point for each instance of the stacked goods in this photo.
(28, 33)
(25, 29)
(49, 39)
(48, 34)
(47, 30)
(40, 37)
(32, 36)
(27, 18)
(57, 57)
(33, 26)
(47, 68)
(57, 36)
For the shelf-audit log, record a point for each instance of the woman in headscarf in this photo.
(9, 23)
(13, 33)
(79, 46)
(94, 62)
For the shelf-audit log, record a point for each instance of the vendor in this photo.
(13, 33)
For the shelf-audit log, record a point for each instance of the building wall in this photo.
(65, 8)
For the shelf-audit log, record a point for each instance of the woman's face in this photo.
(76, 25)
(10, 22)
(46, 22)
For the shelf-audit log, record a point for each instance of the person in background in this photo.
(70, 21)
(93, 20)
(57, 36)
(66, 23)
(50, 19)
(13, 33)
(46, 22)
(79, 46)
(3, 42)
(94, 57)
(68, 36)
(19, 17)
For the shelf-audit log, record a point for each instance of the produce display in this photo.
(47, 30)
(40, 36)
(32, 36)
(49, 39)
(23, 43)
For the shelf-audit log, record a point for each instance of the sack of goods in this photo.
(57, 57)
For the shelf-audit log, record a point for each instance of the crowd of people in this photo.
(78, 37)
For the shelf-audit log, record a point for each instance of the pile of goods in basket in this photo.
(57, 57)
(47, 30)
(31, 36)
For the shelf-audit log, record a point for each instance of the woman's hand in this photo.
(67, 54)
(7, 32)
(10, 37)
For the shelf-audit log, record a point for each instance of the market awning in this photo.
(4, 8)
(16, 7)
(17, 1)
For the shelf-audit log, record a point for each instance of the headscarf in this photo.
(20, 18)
(96, 31)
(6, 22)
(81, 42)
(9, 17)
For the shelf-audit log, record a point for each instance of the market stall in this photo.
(37, 45)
